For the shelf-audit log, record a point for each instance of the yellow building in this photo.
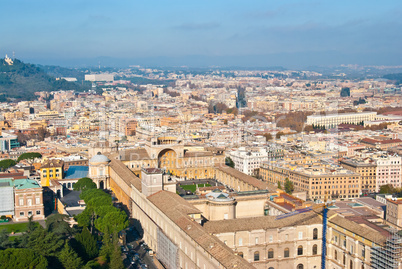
(186, 162)
(51, 169)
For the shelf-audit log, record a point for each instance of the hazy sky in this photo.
(242, 33)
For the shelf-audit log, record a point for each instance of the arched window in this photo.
(256, 256)
(271, 268)
(315, 233)
(240, 254)
(351, 264)
(270, 253)
(286, 253)
(299, 250)
(336, 255)
(300, 266)
(314, 249)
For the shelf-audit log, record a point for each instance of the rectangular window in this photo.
(256, 240)
(300, 235)
(29, 202)
(22, 214)
(37, 200)
(271, 239)
(37, 212)
(21, 201)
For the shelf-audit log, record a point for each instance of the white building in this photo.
(248, 160)
(333, 120)
(99, 77)
(388, 171)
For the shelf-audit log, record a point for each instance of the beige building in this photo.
(319, 181)
(222, 230)
(170, 154)
(367, 170)
(394, 211)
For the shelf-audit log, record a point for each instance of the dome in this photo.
(99, 158)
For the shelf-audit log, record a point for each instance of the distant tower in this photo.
(13, 55)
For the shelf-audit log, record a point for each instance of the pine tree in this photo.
(116, 262)
(87, 244)
(69, 258)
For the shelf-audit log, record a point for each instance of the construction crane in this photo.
(324, 207)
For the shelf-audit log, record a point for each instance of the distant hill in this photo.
(21, 81)
(397, 77)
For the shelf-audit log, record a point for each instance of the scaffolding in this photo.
(167, 252)
(389, 255)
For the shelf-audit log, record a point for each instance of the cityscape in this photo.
(187, 155)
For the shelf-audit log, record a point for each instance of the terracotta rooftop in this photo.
(125, 173)
(197, 154)
(177, 209)
(261, 185)
(52, 163)
(308, 218)
(134, 155)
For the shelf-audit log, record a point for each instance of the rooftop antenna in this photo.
(13, 55)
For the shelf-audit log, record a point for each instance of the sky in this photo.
(255, 33)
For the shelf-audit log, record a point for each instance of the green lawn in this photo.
(16, 227)
(192, 188)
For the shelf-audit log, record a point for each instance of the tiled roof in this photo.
(197, 154)
(125, 173)
(134, 155)
(257, 223)
(308, 218)
(177, 209)
(261, 185)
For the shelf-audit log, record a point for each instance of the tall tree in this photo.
(84, 183)
(29, 156)
(115, 260)
(289, 188)
(69, 258)
(7, 163)
(87, 243)
(22, 258)
(4, 241)
(57, 223)
(112, 222)
(45, 243)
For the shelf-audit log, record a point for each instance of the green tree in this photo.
(84, 183)
(345, 92)
(279, 185)
(22, 258)
(69, 258)
(229, 162)
(91, 193)
(115, 260)
(387, 189)
(30, 156)
(57, 223)
(289, 188)
(44, 242)
(4, 242)
(7, 163)
(112, 222)
(87, 244)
